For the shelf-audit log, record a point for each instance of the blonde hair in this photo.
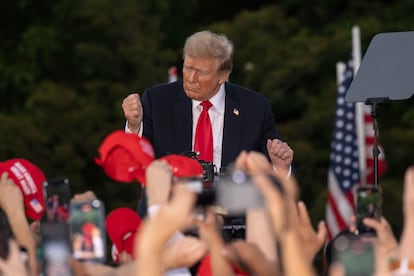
(206, 44)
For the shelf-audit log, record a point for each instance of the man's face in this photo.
(202, 77)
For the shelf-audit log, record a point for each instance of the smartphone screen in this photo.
(88, 237)
(57, 200)
(369, 204)
(55, 249)
(355, 254)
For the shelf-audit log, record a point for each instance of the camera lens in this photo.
(96, 203)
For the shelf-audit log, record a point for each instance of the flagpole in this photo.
(340, 69)
(359, 107)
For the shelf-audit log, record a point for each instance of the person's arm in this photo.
(157, 230)
(158, 190)
(259, 231)
(258, 227)
(209, 233)
(386, 245)
(158, 177)
(183, 253)
(250, 259)
(312, 240)
(11, 201)
(385, 237)
(293, 258)
(403, 263)
(13, 265)
(407, 236)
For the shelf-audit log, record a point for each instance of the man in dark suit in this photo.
(241, 119)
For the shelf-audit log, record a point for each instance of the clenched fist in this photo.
(280, 154)
(132, 108)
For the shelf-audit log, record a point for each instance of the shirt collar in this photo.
(218, 100)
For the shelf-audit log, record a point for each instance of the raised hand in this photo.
(132, 108)
(158, 182)
(280, 154)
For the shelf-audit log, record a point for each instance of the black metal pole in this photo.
(374, 102)
(375, 149)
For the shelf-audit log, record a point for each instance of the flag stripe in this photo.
(332, 227)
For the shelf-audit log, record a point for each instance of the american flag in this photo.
(344, 169)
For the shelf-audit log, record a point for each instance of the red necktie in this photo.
(203, 142)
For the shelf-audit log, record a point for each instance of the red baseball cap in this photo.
(30, 179)
(204, 268)
(184, 166)
(125, 156)
(121, 225)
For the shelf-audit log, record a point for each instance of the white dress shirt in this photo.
(216, 113)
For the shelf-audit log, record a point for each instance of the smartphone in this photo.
(57, 200)
(87, 230)
(368, 204)
(355, 254)
(55, 250)
(236, 193)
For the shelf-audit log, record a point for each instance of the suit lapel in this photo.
(183, 117)
(232, 126)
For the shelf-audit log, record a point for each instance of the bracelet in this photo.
(400, 266)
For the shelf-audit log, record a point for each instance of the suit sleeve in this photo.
(269, 127)
(147, 117)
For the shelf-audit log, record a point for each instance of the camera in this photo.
(232, 191)
(209, 169)
(236, 193)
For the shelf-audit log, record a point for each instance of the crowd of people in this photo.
(231, 129)
(280, 239)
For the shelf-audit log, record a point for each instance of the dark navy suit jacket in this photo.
(248, 122)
